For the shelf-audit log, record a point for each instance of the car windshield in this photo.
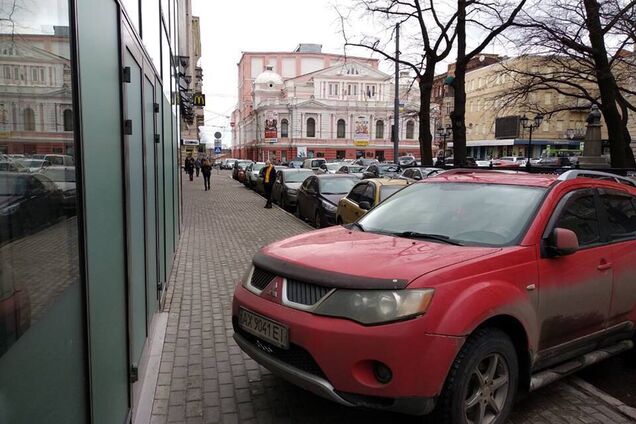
(387, 168)
(12, 185)
(258, 166)
(243, 165)
(387, 191)
(297, 177)
(468, 213)
(60, 175)
(337, 185)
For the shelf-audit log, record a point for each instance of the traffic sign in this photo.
(218, 135)
(217, 150)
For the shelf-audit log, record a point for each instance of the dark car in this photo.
(406, 161)
(366, 162)
(27, 203)
(386, 170)
(286, 186)
(356, 170)
(555, 161)
(319, 195)
(239, 165)
(470, 162)
(419, 173)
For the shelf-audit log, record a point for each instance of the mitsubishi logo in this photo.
(274, 290)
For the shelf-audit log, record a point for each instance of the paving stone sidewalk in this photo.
(205, 378)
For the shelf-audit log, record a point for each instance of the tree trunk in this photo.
(458, 115)
(608, 87)
(425, 137)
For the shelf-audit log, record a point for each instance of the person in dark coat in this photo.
(206, 169)
(197, 166)
(269, 175)
(189, 167)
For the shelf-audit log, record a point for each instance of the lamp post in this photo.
(444, 133)
(525, 123)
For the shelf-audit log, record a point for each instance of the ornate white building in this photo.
(342, 111)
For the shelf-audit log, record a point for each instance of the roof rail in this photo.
(586, 173)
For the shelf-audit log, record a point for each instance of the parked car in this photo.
(28, 202)
(330, 167)
(448, 294)
(56, 159)
(554, 161)
(470, 162)
(517, 160)
(366, 195)
(382, 170)
(419, 173)
(64, 178)
(251, 173)
(365, 162)
(355, 170)
(286, 186)
(12, 166)
(34, 165)
(313, 163)
(260, 186)
(319, 195)
(296, 163)
(406, 161)
(239, 165)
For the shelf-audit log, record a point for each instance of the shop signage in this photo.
(198, 100)
(190, 142)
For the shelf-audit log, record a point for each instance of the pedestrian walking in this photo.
(189, 167)
(206, 169)
(197, 166)
(268, 173)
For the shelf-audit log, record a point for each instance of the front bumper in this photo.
(329, 357)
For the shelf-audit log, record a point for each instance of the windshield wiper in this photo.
(424, 236)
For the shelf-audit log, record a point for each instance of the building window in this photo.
(311, 127)
(284, 128)
(68, 120)
(410, 130)
(341, 128)
(340, 154)
(352, 89)
(379, 130)
(333, 89)
(371, 91)
(29, 119)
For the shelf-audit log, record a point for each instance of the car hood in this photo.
(293, 186)
(364, 260)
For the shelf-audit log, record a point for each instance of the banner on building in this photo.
(302, 151)
(361, 126)
(271, 127)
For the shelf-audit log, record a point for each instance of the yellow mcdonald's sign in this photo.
(198, 99)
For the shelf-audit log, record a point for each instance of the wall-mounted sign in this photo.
(198, 100)
(302, 151)
(361, 143)
(190, 142)
(271, 127)
(361, 126)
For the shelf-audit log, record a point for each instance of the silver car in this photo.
(252, 172)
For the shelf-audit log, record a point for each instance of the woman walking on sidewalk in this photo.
(268, 182)
(206, 169)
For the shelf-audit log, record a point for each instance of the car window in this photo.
(343, 169)
(369, 194)
(356, 192)
(313, 185)
(620, 214)
(579, 215)
(387, 191)
(408, 173)
(306, 184)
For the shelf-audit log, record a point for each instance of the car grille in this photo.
(295, 356)
(261, 278)
(305, 293)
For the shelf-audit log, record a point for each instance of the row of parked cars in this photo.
(443, 296)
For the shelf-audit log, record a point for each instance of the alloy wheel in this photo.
(487, 390)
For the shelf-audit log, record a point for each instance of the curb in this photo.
(621, 407)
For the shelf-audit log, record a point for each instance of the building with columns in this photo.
(342, 110)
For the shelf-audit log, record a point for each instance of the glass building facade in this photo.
(89, 201)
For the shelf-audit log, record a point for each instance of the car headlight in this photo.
(329, 207)
(376, 306)
(247, 276)
(292, 191)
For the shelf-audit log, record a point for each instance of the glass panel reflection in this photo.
(38, 227)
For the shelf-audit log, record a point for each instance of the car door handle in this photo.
(604, 266)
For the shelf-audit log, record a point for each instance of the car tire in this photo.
(481, 382)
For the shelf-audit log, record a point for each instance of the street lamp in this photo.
(525, 123)
(444, 133)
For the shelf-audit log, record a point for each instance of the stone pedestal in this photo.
(593, 148)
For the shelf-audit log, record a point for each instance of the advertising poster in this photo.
(361, 134)
(271, 127)
(302, 151)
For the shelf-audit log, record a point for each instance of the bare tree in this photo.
(578, 49)
(489, 18)
(428, 27)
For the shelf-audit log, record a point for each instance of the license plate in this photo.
(264, 328)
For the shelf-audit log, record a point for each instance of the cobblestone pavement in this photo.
(205, 378)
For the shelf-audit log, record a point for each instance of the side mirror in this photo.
(364, 205)
(562, 242)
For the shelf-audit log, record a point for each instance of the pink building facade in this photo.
(311, 104)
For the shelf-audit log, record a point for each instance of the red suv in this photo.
(451, 295)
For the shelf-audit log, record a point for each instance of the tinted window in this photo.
(621, 215)
(357, 192)
(387, 191)
(579, 215)
(369, 194)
